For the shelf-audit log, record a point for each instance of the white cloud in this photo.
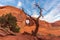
(52, 3)
(35, 14)
(19, 4)
(33, 4)
(1, 5)
(53, 15)
(12, 1)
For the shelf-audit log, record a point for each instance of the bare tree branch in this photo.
(35, 21)
(28, 15)
(40, 10)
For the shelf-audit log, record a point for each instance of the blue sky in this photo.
(51, 12)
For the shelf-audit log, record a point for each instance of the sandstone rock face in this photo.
(21, 18)
(44, 24)
(18, 13)
(56, 24)
(29, 37)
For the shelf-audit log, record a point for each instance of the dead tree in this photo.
(36, 21)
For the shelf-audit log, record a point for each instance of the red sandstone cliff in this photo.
(56, 24)
(21, 18)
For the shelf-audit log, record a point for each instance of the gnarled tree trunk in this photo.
(35, 21)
